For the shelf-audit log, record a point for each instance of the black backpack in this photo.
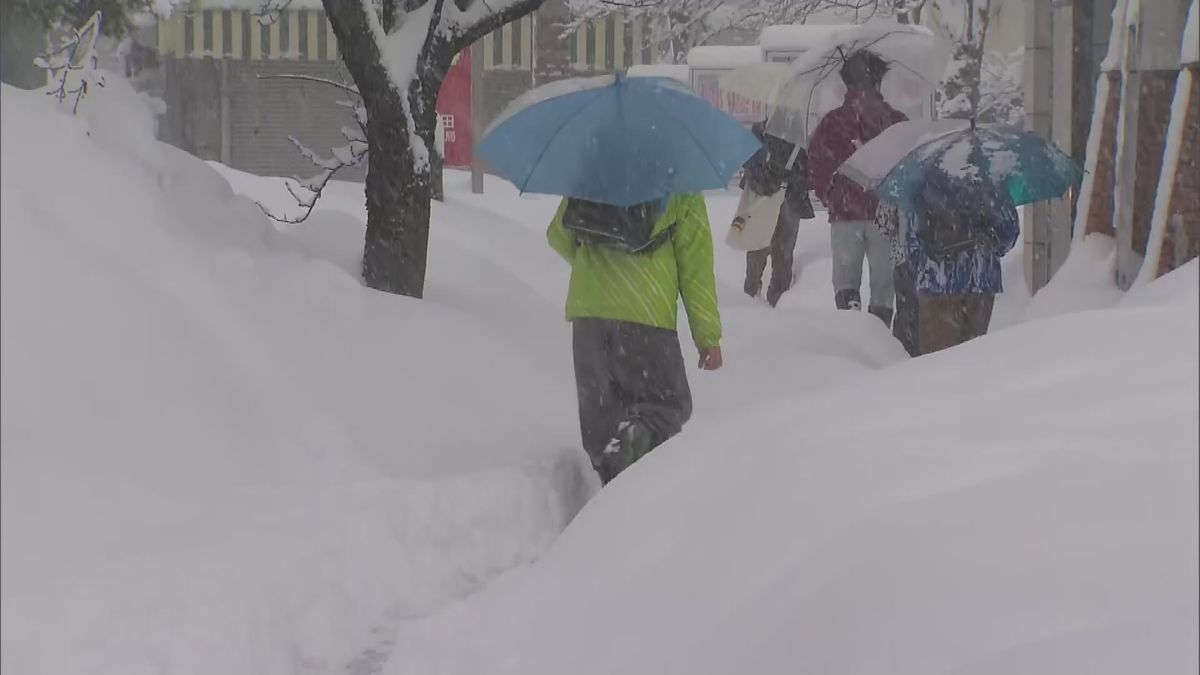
(628, 229)
(945, 233)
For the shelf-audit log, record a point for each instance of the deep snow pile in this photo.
(222, 454)
(1025, 503)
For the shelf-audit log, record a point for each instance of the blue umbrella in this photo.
(1019, 163)
(616, 140)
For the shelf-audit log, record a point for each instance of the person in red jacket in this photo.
(863, 115)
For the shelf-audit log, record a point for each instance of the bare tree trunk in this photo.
(398, 200)
(398, 190)
(400, 174)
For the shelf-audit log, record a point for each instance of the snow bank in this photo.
(220, 452)
(724, 56)
(1023, 503)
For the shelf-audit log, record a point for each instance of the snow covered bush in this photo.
(71, 68)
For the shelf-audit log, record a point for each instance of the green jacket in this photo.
(644, 288)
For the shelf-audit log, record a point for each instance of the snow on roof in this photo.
(1191, 35)
(724, 56)
(675, 71)
(796, 36)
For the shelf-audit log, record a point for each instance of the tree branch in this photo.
(492, 21)
(310, 78)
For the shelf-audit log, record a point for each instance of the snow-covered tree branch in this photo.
(675, 26)
(72, 66)
(1002, 88)
(966, 22)
(307, 191)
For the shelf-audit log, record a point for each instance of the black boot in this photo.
(884, 314)
(848, 298)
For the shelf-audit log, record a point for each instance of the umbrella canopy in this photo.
(1020, 163)
(916, 60)
(757, 82)
(616, 140)
(871, 163)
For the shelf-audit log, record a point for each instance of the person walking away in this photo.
(777, 165)
(863, 115)
(956, 235)
(906, 323)
(629, 268)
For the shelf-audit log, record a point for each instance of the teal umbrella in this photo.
(1019, 163)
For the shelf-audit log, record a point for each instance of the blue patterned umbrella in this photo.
(1020, 163)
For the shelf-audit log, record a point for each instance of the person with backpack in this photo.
(863, 115)
(778, 165)
(956, 234)
(629, 268)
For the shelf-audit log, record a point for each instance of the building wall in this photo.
(222, 103)
(1151, 66)
(1182, 237)
(512, 53)
(1066, 40)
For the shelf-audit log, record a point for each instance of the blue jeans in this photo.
(852, 240)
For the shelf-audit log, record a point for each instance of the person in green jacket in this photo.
(623, 305)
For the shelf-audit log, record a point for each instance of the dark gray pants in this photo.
(780, 253)
(627, 372)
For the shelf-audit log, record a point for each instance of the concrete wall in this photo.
(497, 89)
(223, 110)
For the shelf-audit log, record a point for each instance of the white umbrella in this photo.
(916, 59)
(871, 163)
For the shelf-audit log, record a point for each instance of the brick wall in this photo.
(192, 92)
(498, 88)
(264, 112)
(1100, 213)
(1154, 114)
(1182, 237)
(207, 97)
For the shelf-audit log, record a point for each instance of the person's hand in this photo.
(710, 358)
(738, 224)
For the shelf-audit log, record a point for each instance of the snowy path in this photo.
(222, 454)
(505, 270)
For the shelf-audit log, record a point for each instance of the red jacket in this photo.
(861, 117)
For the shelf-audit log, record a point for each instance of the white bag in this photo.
(761, 214)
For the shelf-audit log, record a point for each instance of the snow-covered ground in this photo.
(222, 454)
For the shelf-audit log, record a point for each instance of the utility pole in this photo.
(476, 116)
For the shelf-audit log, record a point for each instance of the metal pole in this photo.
(476, 116)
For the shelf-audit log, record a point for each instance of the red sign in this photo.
(454, 108)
